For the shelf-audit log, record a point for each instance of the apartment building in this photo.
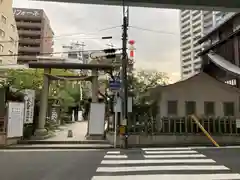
(194, 24)
(35, 34)
(8, 34)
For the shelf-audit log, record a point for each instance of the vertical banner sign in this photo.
(54, 115)
(29, 102)
(15, 119)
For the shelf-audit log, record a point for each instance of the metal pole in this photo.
(115, 121)
(124, 72)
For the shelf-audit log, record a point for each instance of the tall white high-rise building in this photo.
(193, 25)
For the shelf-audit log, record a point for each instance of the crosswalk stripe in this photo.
(160, 168)
(116, 156)
(171, 177)
(164, 164)
(176, 156)
(171, 152)
(113, 152)
(166, 149)
(156, 161)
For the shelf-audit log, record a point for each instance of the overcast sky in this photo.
(157, 40)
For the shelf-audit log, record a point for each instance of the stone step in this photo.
(63, 142)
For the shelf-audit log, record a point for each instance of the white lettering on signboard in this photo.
(29, 97)
(21, 12)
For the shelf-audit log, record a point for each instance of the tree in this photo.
(33, 79)
(143, 80)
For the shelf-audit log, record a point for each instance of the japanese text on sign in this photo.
(20, 12)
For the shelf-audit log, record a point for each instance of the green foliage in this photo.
(143, 80)
(33, 79)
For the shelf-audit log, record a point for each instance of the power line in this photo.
(63, 52)
(66, 35)
(154, 31)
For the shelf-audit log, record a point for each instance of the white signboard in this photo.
(118, 105)
(15, 119)
(29, 98)
(238, 123)
(97, 119)
(80, 118)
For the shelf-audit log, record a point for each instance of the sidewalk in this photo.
(79, 130)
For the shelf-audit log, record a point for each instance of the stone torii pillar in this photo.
(40, 131)
(94, 86)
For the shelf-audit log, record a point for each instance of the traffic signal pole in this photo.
(124, 72)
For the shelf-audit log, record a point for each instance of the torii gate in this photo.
(40, 131)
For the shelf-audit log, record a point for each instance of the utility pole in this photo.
(124, 72)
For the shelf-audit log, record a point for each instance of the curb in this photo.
(54, 147)
(28, 142)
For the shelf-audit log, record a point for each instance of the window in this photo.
(228, 108)
(1, 48)
(12, 40)
(72, 55)
(10, 52)
(4, 19)
(190, 107)
(13, 27)
(2, 33)
(209, 108)
(172, 107)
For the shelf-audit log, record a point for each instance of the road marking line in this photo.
(113, 152)
(157, 161)
(116, 156)
(175, 156)
(171, 152)
(159, 149)
(171, 177)
(161, 168)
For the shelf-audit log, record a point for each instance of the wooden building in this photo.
(221, 53)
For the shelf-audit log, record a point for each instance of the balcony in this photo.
(29, 49)
(27, 58)
(184, 13)
(196, 12)
(29, 41)
(29, 33)
(24, 24)
(29, 18)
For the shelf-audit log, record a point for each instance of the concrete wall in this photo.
(199, 89)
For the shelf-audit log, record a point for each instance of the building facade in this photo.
(221, 56)
(35, 34)
(214, 103)
(8, 34)
(194, 24)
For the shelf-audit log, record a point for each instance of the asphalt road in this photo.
(141, 164)
(49, 165)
